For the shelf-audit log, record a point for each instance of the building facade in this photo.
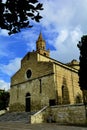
(42, 81)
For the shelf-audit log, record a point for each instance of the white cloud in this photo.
(11, 68)
(66, 45)
(58, 13)
(62, 36)
(68, 19)
(3, 1)
(4, 85)
(3, 32)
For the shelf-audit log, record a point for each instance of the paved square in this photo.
(45, 126)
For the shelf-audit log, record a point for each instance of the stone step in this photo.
(16, 116)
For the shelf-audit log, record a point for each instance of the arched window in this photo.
(78, 98)
(62, 92)
(65, 95)
(45, 54)
(28, 73)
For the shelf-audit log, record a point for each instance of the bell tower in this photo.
(41, 46)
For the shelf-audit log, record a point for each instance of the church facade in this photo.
(42, 81)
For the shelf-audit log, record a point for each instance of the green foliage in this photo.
(82, 45)
(16, 14)
(4, 99)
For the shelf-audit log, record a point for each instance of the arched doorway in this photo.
(28, 102)
(65, 95)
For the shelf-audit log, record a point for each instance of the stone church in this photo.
(42, 81)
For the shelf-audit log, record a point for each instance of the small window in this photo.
(62, 91)
(45, 54)
(40, 86)
(28, 73)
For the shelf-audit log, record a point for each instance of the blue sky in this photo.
(63, 24)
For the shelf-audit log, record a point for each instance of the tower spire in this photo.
(41, 46)
(40, 37)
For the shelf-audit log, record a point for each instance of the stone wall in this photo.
(2, 112)
(41, 91)
(66, 82)
(40, 116)
(71, 114)
(38, 69)
(64, 114)
(67, 77)
(17, 107)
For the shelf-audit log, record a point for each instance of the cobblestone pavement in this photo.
(46, 126)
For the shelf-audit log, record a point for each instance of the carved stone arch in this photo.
(78, 98)
(65, 95)
(65, 92)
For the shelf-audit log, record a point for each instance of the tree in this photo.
(82, 45)
(83, 63)
(16, 14)
(4, 100)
